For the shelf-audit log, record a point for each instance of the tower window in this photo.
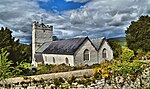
(86, 55)
(104, 53)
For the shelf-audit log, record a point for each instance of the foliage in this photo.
(122, 67)
(21, 69)
(132, 68)
(140, 53)
(138, 34)
(18, 52)
(71, 80)
(45, 69)
(84, 81)
(57, 82)
(104, 70)
(127, 54)
(117, 50)
(148, 55)
(5, 66)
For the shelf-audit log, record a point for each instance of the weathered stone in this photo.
(80, 86)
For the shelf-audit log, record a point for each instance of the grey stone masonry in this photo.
(43, 33)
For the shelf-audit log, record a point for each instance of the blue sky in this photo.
(60, 5)
(78, 18)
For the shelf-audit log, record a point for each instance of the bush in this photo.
(148, 55)
(71, 80)
(104, 70)
(45, 69)
(127, 54)
(57, 83)
(85, 82)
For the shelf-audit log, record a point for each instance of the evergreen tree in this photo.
(18, 52)
(138, 34)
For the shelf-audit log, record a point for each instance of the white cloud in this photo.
(107, 18)
(77, 1)
(43, 0)
(97, 18)
(18, 15)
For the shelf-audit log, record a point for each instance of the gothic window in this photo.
(104, 53)
(53, 60)
(67, 61)
(86, 55)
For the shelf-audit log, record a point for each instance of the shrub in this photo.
(61, 80)
(56, 82)
(93, 80)
(85, 82)
(71, 80)
(148, 55)
(104, 70)
(127, 54)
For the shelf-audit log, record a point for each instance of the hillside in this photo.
(120, 40)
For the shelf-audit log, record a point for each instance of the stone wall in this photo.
(83, 79)
(77, 73)
(79, 54)
(109, 52)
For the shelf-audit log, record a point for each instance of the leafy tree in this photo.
(5, 66)
(117, 50)
(138, 34)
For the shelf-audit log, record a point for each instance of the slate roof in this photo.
(97, 42)
(43, 47)
(68, 46)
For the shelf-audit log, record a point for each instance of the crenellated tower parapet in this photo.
(42, 26)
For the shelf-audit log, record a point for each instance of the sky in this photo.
(72, 18)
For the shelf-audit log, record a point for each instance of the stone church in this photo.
(73, 52)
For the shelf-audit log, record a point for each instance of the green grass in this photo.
(122, 43)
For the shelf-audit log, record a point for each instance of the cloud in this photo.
(108, 18)
(77, 1)
(43, 0)
(18, 16)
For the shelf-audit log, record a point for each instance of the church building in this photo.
(72, 51)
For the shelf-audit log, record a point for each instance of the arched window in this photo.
(104, 53)
(86, 55)
(53, 60)
(67, 61)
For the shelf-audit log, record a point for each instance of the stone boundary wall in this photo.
(53, 81)
(69, 74)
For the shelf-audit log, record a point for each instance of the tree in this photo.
(18, 52)
(117, 50)
(138, 34)
(5, 66)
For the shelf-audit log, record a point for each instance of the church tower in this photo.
(41, 33)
